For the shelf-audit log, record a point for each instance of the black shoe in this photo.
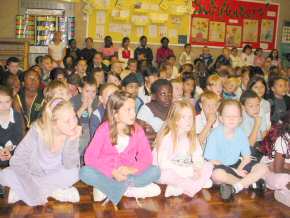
(227, 192)
(260, 187)
(1, 191)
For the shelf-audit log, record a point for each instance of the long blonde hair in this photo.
(115, 102)
(45, 123)
(170, 125)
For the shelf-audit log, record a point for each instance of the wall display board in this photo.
(155, 19)
(38, 26)
(234, 23)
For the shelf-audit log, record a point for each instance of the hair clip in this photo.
(55, 102)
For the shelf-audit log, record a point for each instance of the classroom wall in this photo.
(11, 8)
(81, 29)
(8, 12)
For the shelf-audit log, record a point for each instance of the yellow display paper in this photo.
(131, 18)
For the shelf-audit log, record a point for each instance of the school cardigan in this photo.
(26, 160)
(13, 133)
(104, 157)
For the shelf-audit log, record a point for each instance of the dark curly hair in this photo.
(277, 130)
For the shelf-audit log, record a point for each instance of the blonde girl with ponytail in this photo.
(46, 162)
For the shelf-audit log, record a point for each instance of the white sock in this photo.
(238, 187)
(173, 191)
(12, 197)
(254, 185)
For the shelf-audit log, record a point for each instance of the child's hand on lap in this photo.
(2, 155)
(131, 170)
(5, 154)
(128, 170)
(118, 175)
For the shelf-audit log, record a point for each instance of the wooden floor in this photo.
(206, 204)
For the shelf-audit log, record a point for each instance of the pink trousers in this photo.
(277, 181)
(189, 185)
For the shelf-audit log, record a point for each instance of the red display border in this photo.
(258, 11)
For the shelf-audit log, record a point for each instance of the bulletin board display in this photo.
(155, 19)
(234, 23)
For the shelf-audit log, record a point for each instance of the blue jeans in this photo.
(113, 189)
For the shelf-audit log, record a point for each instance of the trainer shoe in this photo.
(208, 184)
(67, 195)
(258, 187)
(98, 195)
(283, 196)
(147, 191)
(12, 197)
(172, 191)
(227, 192)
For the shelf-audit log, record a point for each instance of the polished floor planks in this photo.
(205, 204)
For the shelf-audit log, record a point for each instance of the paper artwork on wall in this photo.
(101, 17)
(163, 31)
(199, 29)
(234, 35)
(267, 30)
(250, 28)
(152, 30)
(217, 31)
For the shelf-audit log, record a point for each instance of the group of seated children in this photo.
(127, 126)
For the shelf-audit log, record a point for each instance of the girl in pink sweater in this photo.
(118, 161)
(179, 155)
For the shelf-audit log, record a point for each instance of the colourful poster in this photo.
(234, 35)
(267, 30)
(217, 31)
(199, 29)
(163, 31)
(250, 30)
(247, 22)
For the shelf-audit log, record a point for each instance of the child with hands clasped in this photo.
(253, 124)
(208, 117)
(259, 86)
(225, 146)
(84, 104)
(179, 155)
(97, 116)
(118, 161)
